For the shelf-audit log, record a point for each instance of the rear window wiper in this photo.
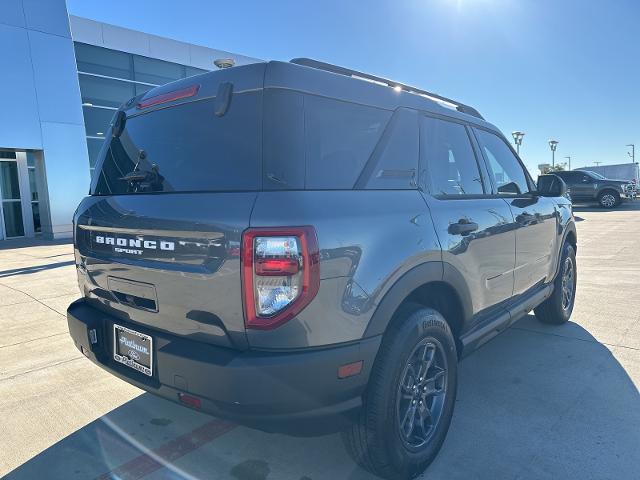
(139, 180)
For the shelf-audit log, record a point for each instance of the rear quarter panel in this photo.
(367, 238)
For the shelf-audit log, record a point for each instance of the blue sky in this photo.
(565, 69)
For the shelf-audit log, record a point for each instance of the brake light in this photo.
(169, 97)
(280, 274)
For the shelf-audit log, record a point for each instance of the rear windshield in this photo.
(184, 148)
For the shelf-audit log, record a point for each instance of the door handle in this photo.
(463, 227)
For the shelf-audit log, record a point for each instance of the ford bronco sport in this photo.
(295, 245)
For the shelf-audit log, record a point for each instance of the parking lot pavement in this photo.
(536, 402)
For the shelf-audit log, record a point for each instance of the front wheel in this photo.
(609, 199)
(409, 401)
(557, 308)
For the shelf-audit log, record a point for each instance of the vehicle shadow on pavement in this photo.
(26, 242)
(536, 402)
(34, 269)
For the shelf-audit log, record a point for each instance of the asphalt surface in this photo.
(537, 402)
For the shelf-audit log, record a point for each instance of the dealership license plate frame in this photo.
(126, 360)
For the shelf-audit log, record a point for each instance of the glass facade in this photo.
(11, 205)
(108, 78)
(33, 186)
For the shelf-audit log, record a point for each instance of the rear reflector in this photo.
(350, 369)
(189, 400)
(169, 96)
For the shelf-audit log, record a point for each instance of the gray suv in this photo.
(304, 248)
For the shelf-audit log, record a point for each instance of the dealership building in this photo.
(62, 80)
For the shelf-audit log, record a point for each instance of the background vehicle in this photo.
(626, 171)
(286, 244)
(587, 186)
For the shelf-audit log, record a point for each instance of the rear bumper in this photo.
(293, 392)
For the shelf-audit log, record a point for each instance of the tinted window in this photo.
(394, 162)
(94, 145)
(507, 172)
(97, 120)
(193, 149)
(104, 91)
(103, 61)
(191, 71)
(596, 175)
(283, 150)
(154, 71)
(570, 177)
(448, 158)
(339, 139)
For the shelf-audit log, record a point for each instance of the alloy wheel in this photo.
(421, 393)
(568, 283)
(608, 200)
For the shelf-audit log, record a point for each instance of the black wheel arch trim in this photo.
(569, 228)
(422, 274)
(608, 188)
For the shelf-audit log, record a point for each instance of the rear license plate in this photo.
(133, 349)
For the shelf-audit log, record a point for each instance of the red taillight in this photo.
(276, 266)
(280, 274)
(169, 96)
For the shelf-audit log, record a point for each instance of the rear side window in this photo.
(394, 162)
(185, 148)
(339, 139)
(447, 155)
(507, 172)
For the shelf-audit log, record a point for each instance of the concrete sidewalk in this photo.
(537, 402)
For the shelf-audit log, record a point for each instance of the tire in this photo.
(557, 309)
(609, 199)
(375, 440)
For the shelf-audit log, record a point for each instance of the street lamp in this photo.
(517, 139)
(569, 158)
(633, 152)
(553, 144)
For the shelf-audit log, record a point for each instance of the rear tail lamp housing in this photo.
(280, 274)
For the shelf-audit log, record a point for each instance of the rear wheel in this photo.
(609, 199)
(410, 397)
(558, 307)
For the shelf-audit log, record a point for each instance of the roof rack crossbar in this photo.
(461, 107)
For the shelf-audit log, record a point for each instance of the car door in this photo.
(582, 185)
(536, 218)
(474, 229)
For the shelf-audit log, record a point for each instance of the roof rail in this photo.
(461, 107)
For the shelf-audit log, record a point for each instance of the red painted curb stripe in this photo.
(145, 464)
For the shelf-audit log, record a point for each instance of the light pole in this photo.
(517, 139)
(633, 152)
(569, 158)
(553, 144)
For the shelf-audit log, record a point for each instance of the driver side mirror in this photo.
(551, 185)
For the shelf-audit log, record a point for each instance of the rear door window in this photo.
(185, 148)
(448, 157)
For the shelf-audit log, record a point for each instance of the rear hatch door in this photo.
(158, 240)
